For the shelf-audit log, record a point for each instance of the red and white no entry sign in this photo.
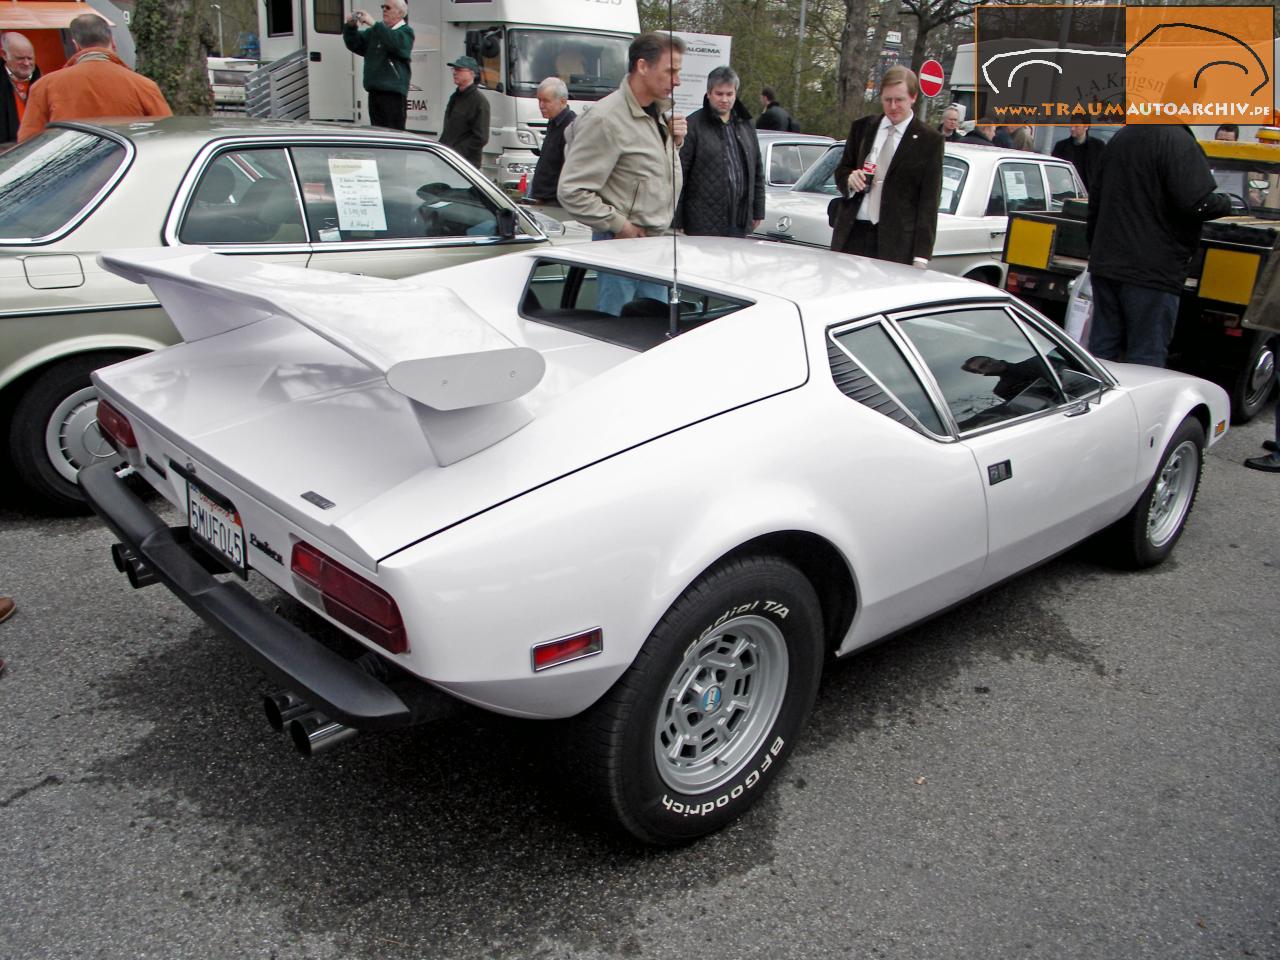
(931, 78)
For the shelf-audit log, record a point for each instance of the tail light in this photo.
(116, 427)
(350, 599)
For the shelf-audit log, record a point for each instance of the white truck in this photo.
(310, 73)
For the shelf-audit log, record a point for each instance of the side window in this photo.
(785, 164)
(820, 178)
(985, 366)
(244, 196)
(1062, 185)
(879, 371)
(1077, 380)
(1022, 185)
(995, 201)
(388, 194)
(279, 17)
(954, 173)
(328, 16)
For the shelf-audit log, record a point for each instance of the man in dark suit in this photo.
(17, 74)
(891, 176)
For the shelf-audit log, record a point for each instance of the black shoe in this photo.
(1270, 445)
(1270, 463)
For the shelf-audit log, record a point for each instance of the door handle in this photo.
(1076, 409)
(997, 233)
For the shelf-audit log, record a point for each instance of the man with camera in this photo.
(387, 48)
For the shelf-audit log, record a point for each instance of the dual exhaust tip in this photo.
(132, 566)
(309, 729)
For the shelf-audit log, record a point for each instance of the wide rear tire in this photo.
(696, 729)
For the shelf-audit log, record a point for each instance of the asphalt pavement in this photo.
(1081, 764)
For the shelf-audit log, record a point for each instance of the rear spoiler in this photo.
(463, 377)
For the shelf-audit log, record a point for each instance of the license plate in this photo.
(215, 525)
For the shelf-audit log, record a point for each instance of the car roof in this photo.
(194, 132)
(773, 135)
(819, 281)
(969, 151)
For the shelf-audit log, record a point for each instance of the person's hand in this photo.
(628, 231)
(857, 182)
(679, 127)
(755, 225)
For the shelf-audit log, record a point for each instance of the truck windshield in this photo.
(1253, 186)
(590, 65)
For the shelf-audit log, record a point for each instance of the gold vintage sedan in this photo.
(321, 196)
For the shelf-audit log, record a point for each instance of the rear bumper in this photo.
(333, 684)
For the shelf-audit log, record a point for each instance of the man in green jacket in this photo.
(387, 48)
(466, 115)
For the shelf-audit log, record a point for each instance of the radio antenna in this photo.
(674, 304)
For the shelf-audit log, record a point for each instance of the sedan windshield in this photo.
(820, 178)
(51, 179)
(592, 66)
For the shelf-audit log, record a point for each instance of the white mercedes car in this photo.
(659, 523)
(981, 186)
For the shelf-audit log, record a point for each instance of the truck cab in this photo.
(518, 43)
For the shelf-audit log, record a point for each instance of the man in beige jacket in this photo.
(621, 175)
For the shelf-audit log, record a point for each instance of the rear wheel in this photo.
(1253, 382)
(698, 726)
(1147, 534)
(54, 431)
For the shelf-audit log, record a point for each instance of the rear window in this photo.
(48, 183)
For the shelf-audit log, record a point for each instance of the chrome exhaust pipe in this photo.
(313, 733)
(128, 563)
(282, 707)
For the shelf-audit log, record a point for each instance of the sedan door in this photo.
(1056, 450)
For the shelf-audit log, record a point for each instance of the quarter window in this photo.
(244, 196)
(51, 179)
(883, 373)
(985, 366)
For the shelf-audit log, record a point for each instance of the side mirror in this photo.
(506, 223)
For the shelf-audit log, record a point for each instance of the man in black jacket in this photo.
(553, 104)
(1152, 191)
(17, 75)
(723, 176)
(1082, 151)
(774, 116)
(466, 115)
(891, 175)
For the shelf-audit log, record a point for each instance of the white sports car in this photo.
(981, 186)
(510, 497)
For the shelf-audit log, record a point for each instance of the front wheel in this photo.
(1147, 534)
(698, 726)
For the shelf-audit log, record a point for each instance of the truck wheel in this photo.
(697, 727)
(54, 432)
(1252, 385)
(1147, 534)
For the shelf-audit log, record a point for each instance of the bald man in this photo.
(19, 72)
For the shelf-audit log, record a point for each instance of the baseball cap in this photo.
(466, 63)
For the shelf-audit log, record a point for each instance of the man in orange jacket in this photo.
(93, 83)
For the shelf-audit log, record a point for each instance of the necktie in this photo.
(882, 170)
